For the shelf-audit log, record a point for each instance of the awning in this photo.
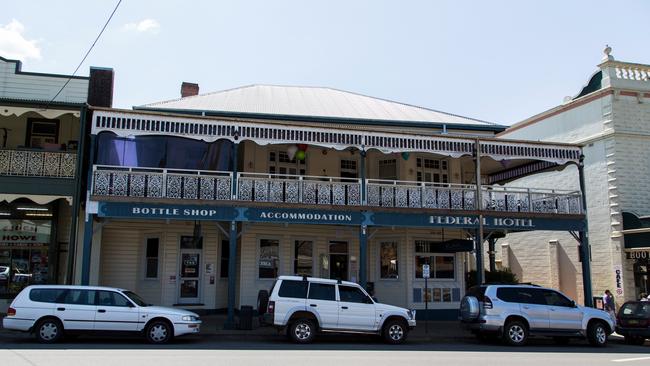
(636, 231)
(40, 199)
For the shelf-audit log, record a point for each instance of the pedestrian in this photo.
(609, 304)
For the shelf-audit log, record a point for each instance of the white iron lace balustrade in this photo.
(409, 194)
(161, 183)
(513, 199)
(284, 188)
(37, 163)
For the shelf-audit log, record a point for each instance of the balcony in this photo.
(38, 163)
(312, 190)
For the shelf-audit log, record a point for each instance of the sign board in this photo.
(638, 254)
(618, 275)
(426, 273)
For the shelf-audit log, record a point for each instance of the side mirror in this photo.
(573, 304)
(375, 299)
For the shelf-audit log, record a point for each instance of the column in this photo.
(88, 224)
(363, 256)
(235, 153)
(479, 205)
(584, 239)
(492, 254)
(232, 270)
(364, 200)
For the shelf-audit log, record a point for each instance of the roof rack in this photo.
(512, 284)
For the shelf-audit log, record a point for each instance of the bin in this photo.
(246, 317)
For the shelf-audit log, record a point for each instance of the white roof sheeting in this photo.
(311, 102)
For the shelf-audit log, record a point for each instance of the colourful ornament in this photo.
(291, 151)
(300, 155)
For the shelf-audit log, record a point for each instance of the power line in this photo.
(87, 53)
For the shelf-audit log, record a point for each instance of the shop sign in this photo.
(23, 233)
(181, 212)
(304, 216)
(426, 271)
(638, 254)
(618, 273)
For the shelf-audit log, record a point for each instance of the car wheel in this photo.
(395, 331)
(48, 330)
(597, 334)
(515, 333)
(302, 331)
(159, 332)
(561, 341)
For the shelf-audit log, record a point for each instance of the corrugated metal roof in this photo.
(311, 102)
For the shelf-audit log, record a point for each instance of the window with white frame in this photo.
(432, 170)
(441, 266)
(349, 169)
(152, 255)
(387, 169)
(269, 258)
(388, 262)
(280, 163)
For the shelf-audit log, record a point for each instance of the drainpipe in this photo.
(584, 239)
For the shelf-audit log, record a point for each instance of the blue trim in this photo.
(423, 219)
(334, 120)
(363, 255)
(232, 283)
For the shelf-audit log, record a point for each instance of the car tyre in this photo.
(395, 331)
(48, 330)
(159, 332)
(597, 334)
(262, 302)
(515, 333)
(302, 331)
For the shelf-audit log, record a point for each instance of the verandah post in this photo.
(584, 239)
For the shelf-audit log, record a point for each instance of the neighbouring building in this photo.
(202, 201)
(41, 139)
(610, 118)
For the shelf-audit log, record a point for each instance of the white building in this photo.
(610, 118)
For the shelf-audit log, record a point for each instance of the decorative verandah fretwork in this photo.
(128, 123)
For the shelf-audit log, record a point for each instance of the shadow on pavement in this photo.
(324, 342)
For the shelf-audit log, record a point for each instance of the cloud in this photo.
(14, 45)
(143, 26)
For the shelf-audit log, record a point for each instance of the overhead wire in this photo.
(86, 55)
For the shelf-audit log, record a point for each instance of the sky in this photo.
(499, 61)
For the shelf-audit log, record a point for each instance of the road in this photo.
(330, 351)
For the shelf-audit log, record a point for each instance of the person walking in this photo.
(609, 305)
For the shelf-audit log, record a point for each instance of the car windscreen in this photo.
(635, 309)
(135, 298)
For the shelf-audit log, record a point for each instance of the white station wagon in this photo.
(49, 311)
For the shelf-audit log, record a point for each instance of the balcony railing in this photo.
(391, 193)
(312, 190)
(298, 189)
(161, 183)
(38, 163)
(513, 199)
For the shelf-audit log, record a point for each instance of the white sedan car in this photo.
(49, 311)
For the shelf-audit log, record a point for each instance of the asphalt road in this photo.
(330, 351)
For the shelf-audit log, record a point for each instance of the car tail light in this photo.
(487, 303)
(11, 312)
(271, 308)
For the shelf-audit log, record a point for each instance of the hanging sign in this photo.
(426, 271)
(618, 276)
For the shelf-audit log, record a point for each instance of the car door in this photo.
(115, 312)
(533, 306)
(76, 308)
(563, 314)
(321, 299)
(356, 309)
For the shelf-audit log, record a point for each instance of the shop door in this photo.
(338, 260)
(189, 289)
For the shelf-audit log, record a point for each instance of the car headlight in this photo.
(409, 313)
(190, 318)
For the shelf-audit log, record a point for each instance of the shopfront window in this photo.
(23, 254)
(388, 260)
(441, 266)
(303, 258)
(269, 258)
(152, 252)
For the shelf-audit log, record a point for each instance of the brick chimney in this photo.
(189, 89)
(100, 87)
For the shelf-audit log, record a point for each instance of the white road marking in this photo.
(631, 359)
